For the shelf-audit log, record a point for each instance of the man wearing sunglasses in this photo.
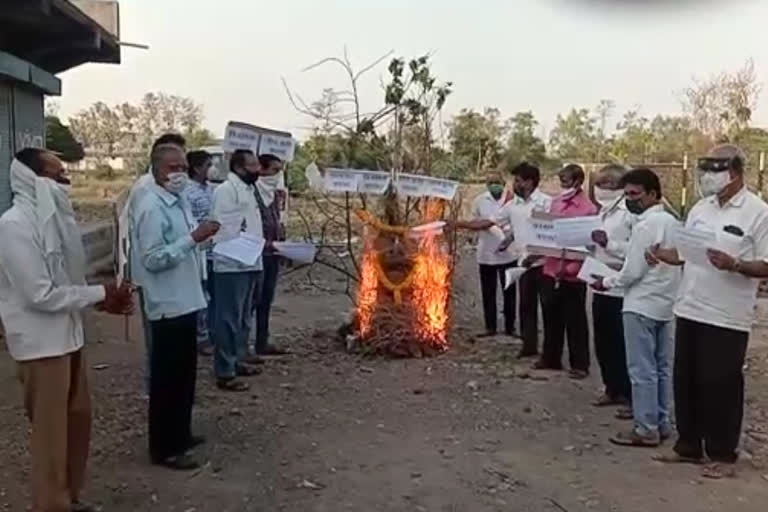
(715, 311)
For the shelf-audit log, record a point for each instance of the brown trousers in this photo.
(58, 405)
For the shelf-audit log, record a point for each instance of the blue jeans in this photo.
(649, 360)
(265, 295)
(147, 327)
(205, 316)
(232, 324)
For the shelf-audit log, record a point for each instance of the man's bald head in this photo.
(731, 152)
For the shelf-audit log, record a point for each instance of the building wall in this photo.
(21, 125)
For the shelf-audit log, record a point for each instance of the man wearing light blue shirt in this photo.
(167, 239)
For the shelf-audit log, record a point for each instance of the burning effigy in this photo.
(404, 292)
(404, 261)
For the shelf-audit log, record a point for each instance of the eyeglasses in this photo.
(714, 164)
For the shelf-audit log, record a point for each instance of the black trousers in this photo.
(262, 302)
(489, 276)
(530, 296)
(709, 389)
(172, 385)
(565, 314)
(610, 348)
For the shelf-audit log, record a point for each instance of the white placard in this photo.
(513, 275)
(441, 189)
(299, 252)
(576, 231)
(374, 182)
(692, 245)
(282, 146)
(410, 185)
(341, 180)
(594, 267)
(246, 249)
(540, 232)
(241, 136)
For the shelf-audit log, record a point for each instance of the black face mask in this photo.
(634, 206)
(247, 177)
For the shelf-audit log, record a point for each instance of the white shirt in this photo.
(714, 297)
(138, 191)
(649, 290)
(41, 319)
(617, 224)
(235, 196)
(485, 207)
(515, 214)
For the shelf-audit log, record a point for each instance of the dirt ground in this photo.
(326, 431)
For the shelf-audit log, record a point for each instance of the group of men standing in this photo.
(192, 300)
(661, 327)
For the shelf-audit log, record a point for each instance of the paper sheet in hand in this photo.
(576, 231)
(300, 252)
(692, 245)
(246, 249)
(513, 275)
(594, 267)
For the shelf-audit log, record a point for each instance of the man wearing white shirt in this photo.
(515, 217)
(611, 246)
(649, 297)
(715, 311)
(42, 295)
(235, 283)
(492, 262)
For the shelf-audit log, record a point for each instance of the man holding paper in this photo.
(172, 269)
(492, 262)
(649, 296)
(515, 216)
(715, 310)
(266, 193)
(237, 270)
(611, 247)
(563, 294)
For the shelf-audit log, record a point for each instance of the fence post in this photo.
(760, 171)
(684, 191)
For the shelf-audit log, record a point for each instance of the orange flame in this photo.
(368, 290)
(431, 288)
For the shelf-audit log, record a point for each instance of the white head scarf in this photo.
(48, 205)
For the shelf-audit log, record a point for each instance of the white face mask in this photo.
(567, 192)
(177, 182)
(712, 183)
(606, 197)
(271, 182)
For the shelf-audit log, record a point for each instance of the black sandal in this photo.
(232, 385)
(243, 370)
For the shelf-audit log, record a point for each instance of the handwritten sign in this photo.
(260, 140)
(374, 182)
(282, 146)
(341, 180)
(241, 136)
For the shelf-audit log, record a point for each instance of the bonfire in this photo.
(403, 296)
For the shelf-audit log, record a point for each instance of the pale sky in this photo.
(540, 55)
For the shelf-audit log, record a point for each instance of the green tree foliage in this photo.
(522, 141)
(476, 139)
(576, 136)
(59, 138)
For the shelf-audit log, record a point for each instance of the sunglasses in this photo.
(714, 164)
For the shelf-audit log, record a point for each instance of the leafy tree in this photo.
(59, 138)
(477, 138)
(575, 136)
(522, 141)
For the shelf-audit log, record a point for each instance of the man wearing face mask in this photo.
(168, 244)
(514, 215)
(649, 297)
(563, 295)
(492, 262)
(611, 246)
(715, 312)
(199, 195)
(266, 193)
(42, 295)
(236, 284)
(135, 269)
